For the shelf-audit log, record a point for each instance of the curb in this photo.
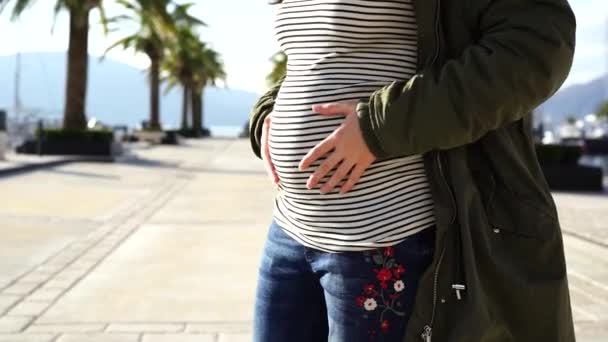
(28, 167)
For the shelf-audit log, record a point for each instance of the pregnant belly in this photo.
(296, 129)
(291, 137)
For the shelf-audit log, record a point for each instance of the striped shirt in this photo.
(341, 50)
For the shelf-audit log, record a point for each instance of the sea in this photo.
(225, 131)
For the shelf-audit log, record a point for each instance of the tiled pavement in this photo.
(165, 246)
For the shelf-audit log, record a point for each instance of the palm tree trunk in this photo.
(201, 109)
(154, 92)
(74, 116)
(196, 111)
(185, 101)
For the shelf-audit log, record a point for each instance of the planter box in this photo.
(554, 154)
(170, 138)
(189, 133)
(70, 142)
(596, 146)
(573, 177)
(84, 148)
(155, 137)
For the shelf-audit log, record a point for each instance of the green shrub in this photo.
(189, 133)
(59, 134)
(151, 129)
(558, 154)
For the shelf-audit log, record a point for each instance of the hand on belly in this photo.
(347, 150)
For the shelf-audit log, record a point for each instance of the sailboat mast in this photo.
(17, 99)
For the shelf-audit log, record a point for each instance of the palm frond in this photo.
(125, 42)
(103, 18)
(279, 69)
(20, 6)
(56, 10)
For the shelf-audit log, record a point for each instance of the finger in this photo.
(340, 173)
(266, 152)
(322, 148)
(323, 170)
(333, 108)
(355, 175)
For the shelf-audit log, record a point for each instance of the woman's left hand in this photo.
(349, 150)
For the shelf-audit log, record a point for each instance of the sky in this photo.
(242, 32)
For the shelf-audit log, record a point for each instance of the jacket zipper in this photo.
(428, 329)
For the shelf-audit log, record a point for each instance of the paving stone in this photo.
(83, 266)
(29, 308)
(21, 288)
(199, 288)
(235, 338)
(96, 254)
(50, 268)
(45, 294)
(28, 244)
(36, 277)
(27, 337)
(64, 258)
(12, 324)
(229, 327)
(69, 273)
(65, 328)
(161, 327)
(59, 283)
(99, 338)
(179, 338)
(174, 266)
(6, 301)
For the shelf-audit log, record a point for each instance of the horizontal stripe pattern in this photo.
(340, 50)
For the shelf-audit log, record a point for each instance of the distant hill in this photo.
(577, 100)
(117, 94)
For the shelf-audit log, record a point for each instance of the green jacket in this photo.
(498, 272)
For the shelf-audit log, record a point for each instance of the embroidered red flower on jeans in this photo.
(384, 275)
(399, 270)
(385, 325)
(369, 289)
(383, 300)
(360, 300)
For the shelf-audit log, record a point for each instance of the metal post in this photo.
(40, 135)
(3, 134)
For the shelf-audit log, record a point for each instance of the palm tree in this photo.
(157, 29)
(178, 67)
(602, 110)
(208, 70)
(279, 61)
(74, 116)
(193, 66)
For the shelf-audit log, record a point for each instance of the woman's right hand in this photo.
(272, 173)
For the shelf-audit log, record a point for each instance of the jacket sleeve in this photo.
(523, 55)
(260, 110)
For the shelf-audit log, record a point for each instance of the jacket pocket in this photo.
(509, 213)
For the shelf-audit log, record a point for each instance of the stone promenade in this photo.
(164, 244)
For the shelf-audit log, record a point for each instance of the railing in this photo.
(24, 126)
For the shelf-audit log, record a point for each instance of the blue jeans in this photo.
(304, 294)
